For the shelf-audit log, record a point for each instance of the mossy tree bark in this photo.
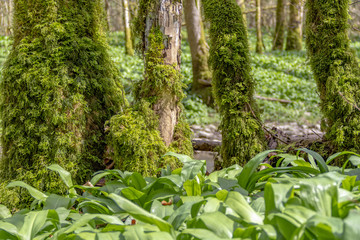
(59, 87)
(128, 40)
(160, 26)
(294, 38)
(259, 40)
(233, 84)
(199, 52)
(336, 71)
(279, 35)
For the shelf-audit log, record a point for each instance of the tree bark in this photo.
(128, 40)
(336, 71)
(199, 52)
(294, 41)
(259, 40)
(233, 83)
(59, 87)
(279, 35)
(164, 23)
(241, 4)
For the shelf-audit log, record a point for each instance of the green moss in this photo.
(135, 136)
(59, 86)
(233, 84)
(336, 71)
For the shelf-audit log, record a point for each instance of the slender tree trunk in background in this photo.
(107, 13)
(128, 40)
(279, 35)
(294, 38)
(241, 3)
(336, 71)
(199, 52)
(259, 40)
(233, 84)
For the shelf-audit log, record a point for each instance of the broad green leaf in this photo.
(321, 162)
(34, 222)
(251, 167)
(33, 191)
(93, 206)
(217, 223)
(55, 201)
(161, 211)
(240, 206)
(202, 234)
(191, 167)
(276, 196)
(192, 187)
(4, 212)
(65, 176)
(141, 214)
(8, 230)
(85, 219)
(131, 193)
(181, 214)
(351, 225)
(137, 181)
(326, 228)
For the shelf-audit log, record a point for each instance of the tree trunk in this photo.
(128, 40)
(162, 85)
(259, 40)
(241, 4)
(199, 52)
(233, 83)
(279, 35)
(336, 71)
(294, 41)
(59, 87)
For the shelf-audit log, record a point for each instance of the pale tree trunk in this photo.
(128, 40)
(164, 23)
(259, 41)
(294, 41)
(241, 4)
(199, 52)
(107, 12)
(279, 35)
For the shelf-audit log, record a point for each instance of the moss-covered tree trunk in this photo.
(279, 35)
(160, 25)
(128, 40)
(233, 84)
(59, 86)
(259, 40)
(294, 38)
(199, 52)
(336, 70)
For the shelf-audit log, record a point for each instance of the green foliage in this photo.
(233, 84)
(336, 71)
(136, 140)
(292, 201)
(59, 86)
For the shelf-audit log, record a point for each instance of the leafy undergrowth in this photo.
(297, 199)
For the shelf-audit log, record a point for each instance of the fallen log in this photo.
(297, 141)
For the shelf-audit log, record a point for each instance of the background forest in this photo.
(179, 119)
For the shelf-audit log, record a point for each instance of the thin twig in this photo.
(354, 105)
(254, 115)
(316, 133)
(354, 3)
